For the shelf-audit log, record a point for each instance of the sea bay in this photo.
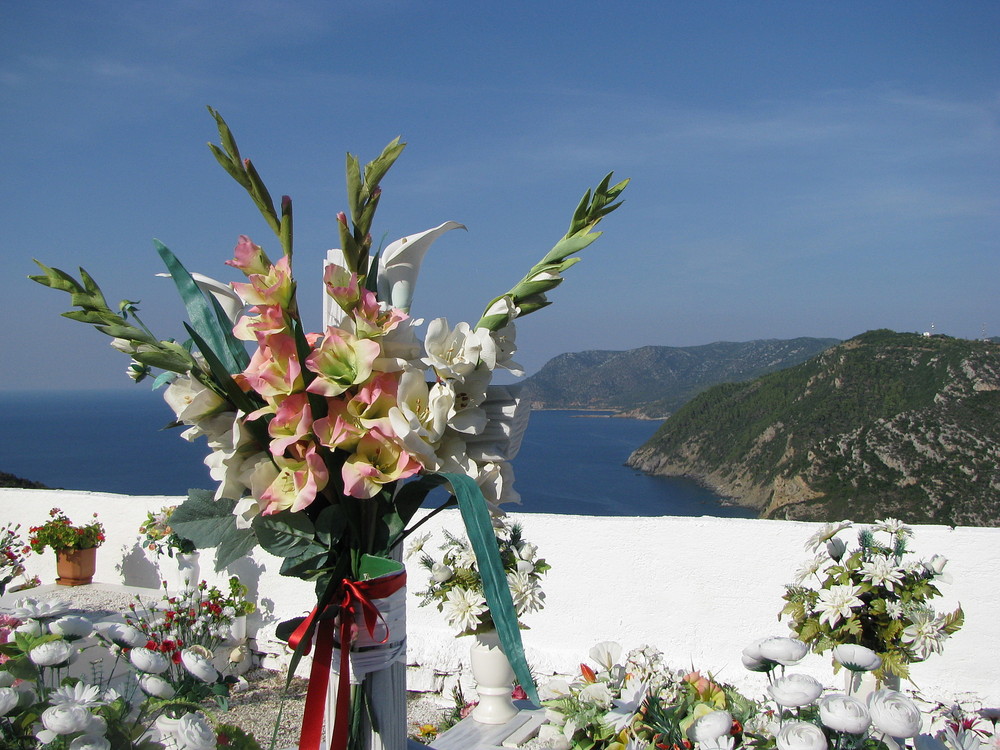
(114, 441)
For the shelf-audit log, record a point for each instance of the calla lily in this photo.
(399, 264)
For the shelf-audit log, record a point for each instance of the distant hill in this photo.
(654, 381)
(9, 480)
(885, 424)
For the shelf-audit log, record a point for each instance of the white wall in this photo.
(699, 589)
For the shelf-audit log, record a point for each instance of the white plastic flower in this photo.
(856, 658)
(925, 635)
(52, 654)
(825, 533)
(8, 700)
(71, 627)
(441, 573)
(90, 742)
(66, 718)
(810, 568)
(462, 608)
(417, 545)
(893, 526)
(844, 713)
(193, 732)
(795, 690)
(79, 694)
(785, 651)
(146, 660)
(121, 634)
(526, 593)
(623, 709)
(894, 713)
(198, 665)
(156, 686)
(597, 693)
(881, 572)
(606, 654)
(32, 609)
(800, 735)
(710, 726)
(836, 603)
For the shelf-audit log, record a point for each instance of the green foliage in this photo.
(59, 533)
(211, 523)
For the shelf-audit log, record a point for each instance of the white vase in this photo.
(184, 573)
(237, 629)
(494, 680)
(862, 684)
(164, 729)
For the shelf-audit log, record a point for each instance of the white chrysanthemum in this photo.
(825, 533)
(893, 526)
(417, 545)
(810, 568)
(925, 635)
(893, 610)
(79, 694)
(836, 602)
(881, 572)
(527, 594)
(463, 607)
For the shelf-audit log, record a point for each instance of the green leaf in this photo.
(284, 534)
(479, 528)
(210, 523)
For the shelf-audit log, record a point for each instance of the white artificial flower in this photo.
(964, 739)
(893, 526)
(8, 700)
(825, 533)
(66, 718)
(399, 264)
(30, 627)
(935, 565)
(836, 548)
(928, 742)
(52, 654)
(881, 572)
(455, 354)
(844, 713)
(606, 654)
(71, 627)
(554, 688)
(193, 732)
(527, 594)
(597, 693)
(198, 665)
(553, 737)
(463, 607)
(800, 735)
(156, 686)
(810, 568)
(795, 690)
(754, 660)
(417, 545)
(836, 603)
(504, 339)
(925, 634)
(441, 573)
(146, 660)
(894, 713)
(90, 742)
(467, 414)
(856, 658)
(785, 651)
(633, 694)
(710, 726)
(191, 400)
(32, 609)
(893, 610)
(79, 694)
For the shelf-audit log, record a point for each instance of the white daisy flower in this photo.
(527, 594)
(836, 603)
(463, 607)
(80, 694)
(825, 533)
(880, 572)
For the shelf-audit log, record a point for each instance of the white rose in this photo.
(894, 713)
(156, 686)
(710, 726)
(66, 718)
(51, 654)
(799, 735)
(596, 693)
(787, 651)
(8, 700)
(754, 661)
(121, 634)
(441, 572)
(71, 627)
(856, 658)
(90, 742)
(198, 666)
(844, 713)
(553, 737)
(193, 732)
(145, 660)
(29, 627)
(795, 690)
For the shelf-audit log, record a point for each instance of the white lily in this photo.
(399, 264)
(421, 415)
(456, 353)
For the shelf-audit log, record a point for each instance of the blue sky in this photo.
(798, 168)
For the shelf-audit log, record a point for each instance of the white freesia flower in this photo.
(193, 732)
(856, 658)
(710, 726)
(844, 713)
(71, 627)
(8, 700)
(795, 690)
(785, 651)
(836, 603)
(52, 654)
(121, 634)
(800, 735)
(894, 713)
(606, 653)
(399, 264)
(146, 660)
(79, 694)
(462, 608)
(90, 742)
(156, 686)
(66, 718)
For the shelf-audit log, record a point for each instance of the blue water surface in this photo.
(114, 441)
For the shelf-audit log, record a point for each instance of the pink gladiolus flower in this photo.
(274, 369)
(272, 287)
(343, 286)
(370, 407)
(376, 461)
(249, 258)
(261, 321)
(298, 481)
(291, 422)
(340, 360)
(336, 429)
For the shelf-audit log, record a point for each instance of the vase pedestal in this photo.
(494, 680)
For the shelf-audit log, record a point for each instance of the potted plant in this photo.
(12, 556)
(75, 546)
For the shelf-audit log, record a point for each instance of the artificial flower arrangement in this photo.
(325, 444)
(59, 533)
(158, 708)
(456, 586)
(870, 596)
(160, 537)
(13, 553)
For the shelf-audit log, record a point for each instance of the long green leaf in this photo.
(479, 528)
(210, 523)
(200, 313)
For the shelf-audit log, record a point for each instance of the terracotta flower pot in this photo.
(75, 567)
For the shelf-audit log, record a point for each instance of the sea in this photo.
(571, 462)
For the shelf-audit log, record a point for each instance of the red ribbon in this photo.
(356, 598)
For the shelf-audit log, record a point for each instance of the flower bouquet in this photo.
(12, 557)
(456, 586)
(60, 534)
(159, 536)
(870, 597)
(326, 443)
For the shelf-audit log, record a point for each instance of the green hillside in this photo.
(885, 424)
